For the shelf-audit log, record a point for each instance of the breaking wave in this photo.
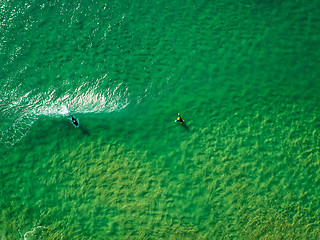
(20, 110)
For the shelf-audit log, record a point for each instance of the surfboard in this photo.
(74, 121)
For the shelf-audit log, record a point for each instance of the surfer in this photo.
(73, 120)
(65, 112)
(179, 119)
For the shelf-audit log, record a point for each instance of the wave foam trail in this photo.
(20, 111)
(83, 100)
(31, 232)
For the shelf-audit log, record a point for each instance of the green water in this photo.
(243, 75)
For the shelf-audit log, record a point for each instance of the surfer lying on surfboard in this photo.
(65, 112)
(73, 120)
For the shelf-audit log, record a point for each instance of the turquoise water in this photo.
(243, 75)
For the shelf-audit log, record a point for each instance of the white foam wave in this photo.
(22, 111)
(82, 100)
(31, 231)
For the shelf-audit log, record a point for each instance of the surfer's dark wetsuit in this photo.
(179, 119)
(74, 121)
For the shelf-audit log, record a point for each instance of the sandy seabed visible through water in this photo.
(246, 175)
(244, 76)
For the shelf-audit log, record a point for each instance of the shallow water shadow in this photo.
(84, 130)
(185, 126)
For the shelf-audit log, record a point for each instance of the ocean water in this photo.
(245, 77)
